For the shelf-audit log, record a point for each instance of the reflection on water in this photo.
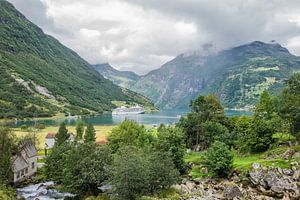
(161, 117)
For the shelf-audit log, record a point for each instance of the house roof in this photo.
(50, 135)
(19, 163)
(28, 147)
(101, 142)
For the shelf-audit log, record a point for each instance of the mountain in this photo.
(237, 75)
(121, 78)
(41, 77)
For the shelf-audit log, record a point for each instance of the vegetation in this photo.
(136, 172)
(79, 129)
(200, 125)
(249, 138)
(128, 133)
(218, 159)
(62, 134)
(90, 134)
(8, 145)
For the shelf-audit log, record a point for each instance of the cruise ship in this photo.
(127, 111)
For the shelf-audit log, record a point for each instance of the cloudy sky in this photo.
(141, 35)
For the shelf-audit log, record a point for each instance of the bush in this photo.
(7, 193)
(136, 172)
(218, 159)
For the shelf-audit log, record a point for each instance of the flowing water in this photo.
(41, 191)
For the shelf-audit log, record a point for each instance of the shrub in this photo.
(218, 159)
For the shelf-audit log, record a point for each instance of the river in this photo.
(41, 191)
(160, 117)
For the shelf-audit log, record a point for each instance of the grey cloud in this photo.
(154, 31)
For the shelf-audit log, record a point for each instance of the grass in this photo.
(193, 157)
(272, 157)
(245, 163)
(101, 133)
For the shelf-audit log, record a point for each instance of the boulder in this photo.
(256, 165)
(296, 155)
(271, 179)
(232, 192)
(288, 154)
(296, 175)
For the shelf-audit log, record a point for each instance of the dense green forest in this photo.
(40, 77)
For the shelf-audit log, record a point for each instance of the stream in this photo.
(41, 191)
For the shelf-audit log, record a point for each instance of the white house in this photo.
(24, 162)
(50, 139)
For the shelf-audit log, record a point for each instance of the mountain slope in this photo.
(40, 77)
(121, 78)
(237, 75)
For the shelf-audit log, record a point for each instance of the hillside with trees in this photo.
(40, 77)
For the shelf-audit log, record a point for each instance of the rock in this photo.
(296, 175)
(277, 189)
(236, 178)
(288, 154)
(296, 155)
(256, 165)
(256, 178)
(287, 172)
(204, 170)
(232, 192)
(271, 179)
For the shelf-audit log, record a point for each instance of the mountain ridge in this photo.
(121, 78)
(236, 75)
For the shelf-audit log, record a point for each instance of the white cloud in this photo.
(143, 34)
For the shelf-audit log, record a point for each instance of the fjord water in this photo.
(160, 117)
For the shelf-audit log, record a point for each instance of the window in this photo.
(32, 165)
(18, 174)
(26, 170)
(22, 172)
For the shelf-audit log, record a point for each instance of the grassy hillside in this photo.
(40, 77)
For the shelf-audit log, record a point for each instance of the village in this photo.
(28, 159)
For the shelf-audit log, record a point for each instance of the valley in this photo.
(212, 123)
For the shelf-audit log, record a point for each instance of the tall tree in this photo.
(79, 129)
(290, 103)
(170, 140)
(267, 107)
(8, 145)
(130, 173)
(128, 133)
(90, 134)
(204, 109)
(62, 134)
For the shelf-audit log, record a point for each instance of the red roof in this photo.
(50, 135)
(101, 142)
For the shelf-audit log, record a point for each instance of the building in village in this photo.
(101, 142)
(24, 162)
(50, 139)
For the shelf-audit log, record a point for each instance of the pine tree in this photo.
(90, 134)
(79, 130)
(62, 134)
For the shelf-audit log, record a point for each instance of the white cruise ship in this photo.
(127, 111)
